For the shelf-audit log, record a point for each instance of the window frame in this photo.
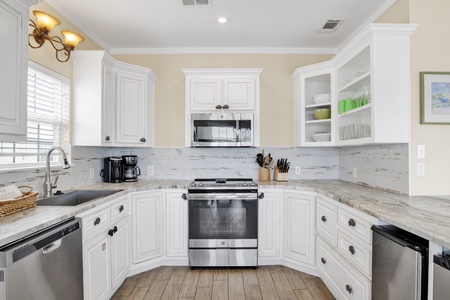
(67, 147)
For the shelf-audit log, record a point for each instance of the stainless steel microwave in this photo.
(222, 129)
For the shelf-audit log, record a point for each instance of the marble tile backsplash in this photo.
(380, 166)
(383, 166)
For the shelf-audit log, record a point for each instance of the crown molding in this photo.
(223, 50)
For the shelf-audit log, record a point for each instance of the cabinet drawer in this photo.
(95, 222)
(356, 225)
(326, 220)
(356, 253)
(120, 209)
(340, 277)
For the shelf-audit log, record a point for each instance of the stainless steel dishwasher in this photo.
(441, 277)
(399, 264)
(46, 265)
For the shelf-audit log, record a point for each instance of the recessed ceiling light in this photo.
(222, 20)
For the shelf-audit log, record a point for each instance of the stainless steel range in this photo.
(223, 222)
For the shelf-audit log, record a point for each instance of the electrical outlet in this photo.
(91, 173)
(150, 171)
(298, 170)
(420, 169)
(355, 173)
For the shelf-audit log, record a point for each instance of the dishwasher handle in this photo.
(52, 247)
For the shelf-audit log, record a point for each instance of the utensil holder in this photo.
(264, 174)
(278, 176)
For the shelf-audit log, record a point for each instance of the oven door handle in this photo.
(225, 196)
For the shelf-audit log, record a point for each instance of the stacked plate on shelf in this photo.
(321, 98)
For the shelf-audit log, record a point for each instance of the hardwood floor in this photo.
(182, 283)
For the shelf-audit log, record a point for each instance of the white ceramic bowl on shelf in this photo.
(321, 98)
(322, 137)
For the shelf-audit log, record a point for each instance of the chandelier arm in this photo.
(66, 52)
(56, 40)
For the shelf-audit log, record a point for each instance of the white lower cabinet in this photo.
(339, 276)
(106, 251)
(148, 225)
(344, 249)
(299, 233)
(176, 224)
(269, 224)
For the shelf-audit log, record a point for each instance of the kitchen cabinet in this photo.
(217, 89)
(372, 72)
(222, 90)
(106, 249)
(269, 226)
(311, 81)
(112, 102)
(344, 249)
(14, 62)
(148, 225)
(299, 233)
(176, 224)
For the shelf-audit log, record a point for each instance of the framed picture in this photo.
(434, 97)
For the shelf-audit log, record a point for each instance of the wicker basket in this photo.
(27, 200)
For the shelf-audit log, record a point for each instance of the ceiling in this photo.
(254, 26)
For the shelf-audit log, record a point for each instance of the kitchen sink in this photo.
(75, 197)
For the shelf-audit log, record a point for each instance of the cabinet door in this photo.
(148, 227)
(96, 268)
(205, 93)
(120, 251)
(269, 228)
(131, 109)
(299, 226)
(239, 93)
(13, 77)
(108, 106)
(176, 224)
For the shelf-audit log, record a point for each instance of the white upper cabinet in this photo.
(113, 102)
(314, 90)
(222, 89)
(14, 65)
(371, 76)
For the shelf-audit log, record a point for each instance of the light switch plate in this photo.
(420, 151)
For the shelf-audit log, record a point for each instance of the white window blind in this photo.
(48, 120)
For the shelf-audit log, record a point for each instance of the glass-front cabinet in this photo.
(368, 85)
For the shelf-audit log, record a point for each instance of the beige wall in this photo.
(430, 46)
(277, 91)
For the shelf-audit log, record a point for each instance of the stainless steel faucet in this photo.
(48, 185)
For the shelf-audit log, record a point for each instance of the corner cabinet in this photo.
(14, 64)
(148, 225)
(372, 71)
(222, 90)
(112, 102)
(309, 82)
(299, 234)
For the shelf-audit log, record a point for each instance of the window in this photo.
(48, 121)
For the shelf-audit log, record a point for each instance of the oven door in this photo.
(220, 223)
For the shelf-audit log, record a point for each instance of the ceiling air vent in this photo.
(330, 25)
(196, 2)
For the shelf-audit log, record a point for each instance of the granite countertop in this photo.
(426, 216)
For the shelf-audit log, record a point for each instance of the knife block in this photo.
(278, 176)
(264, 174)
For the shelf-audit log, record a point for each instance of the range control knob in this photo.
(193, 184)
(253, 183)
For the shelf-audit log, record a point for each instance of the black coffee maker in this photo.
(129, 168)
(112, 169)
